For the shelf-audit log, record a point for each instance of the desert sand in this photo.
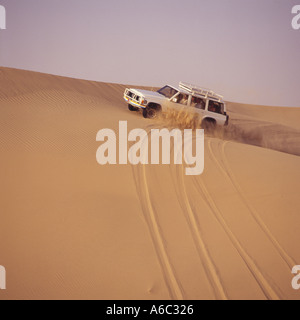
(72, 229)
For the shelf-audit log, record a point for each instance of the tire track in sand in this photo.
(252, 267)
(260, 279)
(255, 215)
(208, 264)
(173, 285)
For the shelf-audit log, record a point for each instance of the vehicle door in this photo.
(215, 110)
(198, 105)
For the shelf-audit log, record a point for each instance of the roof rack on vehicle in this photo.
(207, 93)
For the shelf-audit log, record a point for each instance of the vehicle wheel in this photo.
(132, 108)
(208, 125)
(150, 113)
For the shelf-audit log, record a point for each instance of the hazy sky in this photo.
(246, 50)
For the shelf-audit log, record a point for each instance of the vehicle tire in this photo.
(150, 113)
(209, 125)
(132, 108)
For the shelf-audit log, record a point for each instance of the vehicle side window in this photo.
(167, 91)
(198, 103)
(181, 99)
(215, 107)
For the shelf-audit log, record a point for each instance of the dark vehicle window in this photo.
(198, 103)
(215, 107)
(167, 91)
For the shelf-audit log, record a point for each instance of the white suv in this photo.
(202, 102)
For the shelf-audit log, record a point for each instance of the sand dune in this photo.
(71, 229)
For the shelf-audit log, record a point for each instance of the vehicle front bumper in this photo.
(134, 103)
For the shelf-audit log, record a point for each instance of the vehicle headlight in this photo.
(144, 102)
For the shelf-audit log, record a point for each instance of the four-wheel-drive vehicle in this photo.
(203, 103)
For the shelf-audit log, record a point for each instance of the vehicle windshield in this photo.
(167, 91)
